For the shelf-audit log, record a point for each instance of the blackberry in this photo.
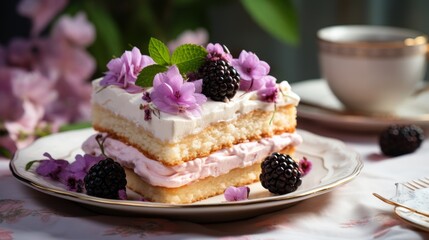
(105, 179)
(220, 79)
(280, 174)
(398, 140)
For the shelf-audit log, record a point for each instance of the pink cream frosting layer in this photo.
(220, 162)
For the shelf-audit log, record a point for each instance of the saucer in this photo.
(319, 104)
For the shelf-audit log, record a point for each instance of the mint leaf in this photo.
(188, 57)
(159, 52)
(147, 74)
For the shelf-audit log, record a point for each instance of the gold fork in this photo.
(412, 185)
(417, 184)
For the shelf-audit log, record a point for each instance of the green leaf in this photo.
(75, 126)
(159, 52)
(29, 164)
(4, 152)
(145, 78)
(278, 17)
(188, 57)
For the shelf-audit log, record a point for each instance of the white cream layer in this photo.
(221, 162)
(172, 128)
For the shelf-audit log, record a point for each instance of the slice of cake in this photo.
(194, 132)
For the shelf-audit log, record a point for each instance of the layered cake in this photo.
(193, 132)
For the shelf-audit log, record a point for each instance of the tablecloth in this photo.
(348, 212)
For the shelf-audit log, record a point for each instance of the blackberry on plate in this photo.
(397, 140)
(105, 179)
(280, 174)
(220, 80)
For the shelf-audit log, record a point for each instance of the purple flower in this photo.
(73, 174)
(216, 52)
(34, 87)
(305, 166)
(40, 11)
(8, 100)
(51, 168)
(123, 71)
(171, 95)
(77, 30)
(233, 194)
(122, 194)
(252, 71)
(269, 92)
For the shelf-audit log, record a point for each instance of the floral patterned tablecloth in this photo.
(348, 212)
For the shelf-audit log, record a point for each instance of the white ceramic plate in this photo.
(333, 165)
(415, 219)
(320, 105)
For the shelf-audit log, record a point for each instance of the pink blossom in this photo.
(22, 130)
(76, 30)
(216, 51)
(20, 53)
(171, 95)
(251, 70)
(8, 100)
(32, 86)
(40, 11)
(123, 71)
(232, 193)
(73, 65)
(305, 166)
(73, 106)
(269, 92)
(200, 37)
(122, 194)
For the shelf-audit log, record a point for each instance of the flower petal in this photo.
(237, 193)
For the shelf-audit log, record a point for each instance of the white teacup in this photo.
(372, 69)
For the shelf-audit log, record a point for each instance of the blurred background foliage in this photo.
(133, 22)
(281, 32)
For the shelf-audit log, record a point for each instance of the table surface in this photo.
(348, 212)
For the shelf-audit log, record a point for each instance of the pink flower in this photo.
(8, 100)
(269, 92)
(76, 30)
(72, 106)
(251, 70)
(305, 166)
(232, 193)
(33, 87)
(171, 95)
(123, 71)
(20, 53)
(40, 11)
(216, 52)
(199, 37)
(122, 194)
(22, 130)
